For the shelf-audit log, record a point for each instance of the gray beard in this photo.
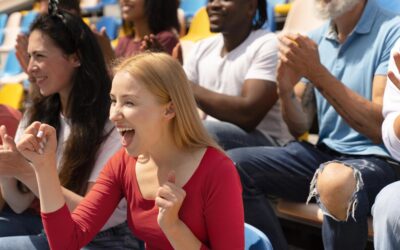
(333, 9)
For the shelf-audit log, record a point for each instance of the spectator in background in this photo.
(182, 191)
(148, 25)
(10, 118)
(346, 61)
(386, 207)
(71, 93)
(233, 77)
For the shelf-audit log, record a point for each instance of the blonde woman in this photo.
(182, 191)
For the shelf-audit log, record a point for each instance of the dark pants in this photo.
(287, 172)
(25, 232)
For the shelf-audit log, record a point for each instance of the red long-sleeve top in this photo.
(212, 208)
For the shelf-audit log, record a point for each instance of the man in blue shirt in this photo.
(346, 61)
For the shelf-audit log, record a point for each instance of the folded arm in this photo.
(246, 110)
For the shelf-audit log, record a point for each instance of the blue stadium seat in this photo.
(1, 36)
(27, 20)
(190, 7)
(3, 20)
(111, 24)
(12, 66)
(98, 7)
(255, 239)
(107, 2)
(270, 24)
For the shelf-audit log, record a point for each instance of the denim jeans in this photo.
(386, 213)
(287, 172)
(26, 223)
(26, 233)
(230, 136)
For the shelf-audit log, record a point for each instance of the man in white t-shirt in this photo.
(233, 76)
(386, 211)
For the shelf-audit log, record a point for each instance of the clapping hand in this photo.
(169, 200)
(38, 144)
(151, 43)
(21, 51)
(12, 163)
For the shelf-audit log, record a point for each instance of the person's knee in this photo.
(336, 186)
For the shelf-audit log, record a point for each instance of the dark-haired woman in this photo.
(148, 25)
(71, 93)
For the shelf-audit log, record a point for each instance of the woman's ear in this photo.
(75, 60)
(169, 111)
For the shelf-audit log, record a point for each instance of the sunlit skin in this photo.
(162, 168)
(49, 68)
(134, 107)
(132, 10)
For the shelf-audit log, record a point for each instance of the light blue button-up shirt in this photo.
(364, 54)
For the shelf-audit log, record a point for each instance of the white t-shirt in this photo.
(255, 58)
(391, 110)
(110, 146)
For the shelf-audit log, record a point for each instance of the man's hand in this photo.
(300, 53)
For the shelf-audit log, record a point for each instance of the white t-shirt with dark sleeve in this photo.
(255, 58)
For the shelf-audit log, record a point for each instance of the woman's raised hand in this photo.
(39, 144)
(12, 163)
(169, 200)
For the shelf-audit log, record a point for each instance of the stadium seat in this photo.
(12, 71)
(12, 94)
(190, 8)
(27, 20)
(3, 20)
(255, 239)
(199, 28)
(12, 66)
(111, 24)
(309, 214)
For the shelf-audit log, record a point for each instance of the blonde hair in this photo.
(164, 77)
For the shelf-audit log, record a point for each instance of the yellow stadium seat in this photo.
(282, 9)
(12, 94)
(86, 20)
(199, 27)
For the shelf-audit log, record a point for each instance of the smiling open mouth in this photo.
(127, 135)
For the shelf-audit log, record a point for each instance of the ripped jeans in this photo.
(287, 172)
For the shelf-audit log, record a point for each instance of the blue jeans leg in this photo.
(24, 242)
(118, 238)
(12, 224)
(284, 172)
(371, 174)
(230, 136)
(386, 215)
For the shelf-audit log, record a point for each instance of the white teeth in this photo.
(40, 78)
(124, 129)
